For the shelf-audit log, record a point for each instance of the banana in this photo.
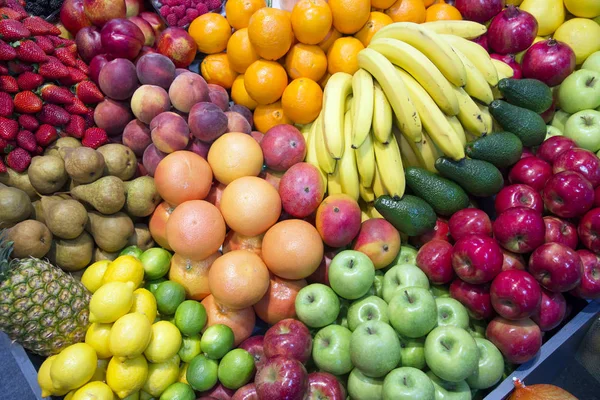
(326, 162)
(373, 213)
(464, 29)
(367, 194)
(470, 115)
(458, 129)
(422, 69)
(365, 160)
(334, 184)
(503, 69)
(488, 120)
(434, 120)
(437, 153)
(389, 163)
(349, 103)
(409, 157)
(424, 151)
(362, 106)
(311, 152)
(338, 88)
(430, 44)
(477, 55)
(305, 131)
(394, 89)
(476, 86)
(347, 165)
(382, 115)
(378, 188)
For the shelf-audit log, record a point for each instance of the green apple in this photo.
(477, 328)
(378, 284)
(451, 353)
(445, 390)
(331, 350)
(440, 291)
(451, 312)
(491, 366)
(552, 131)
(592, 62)
(375, 348)
(342, 318)
(402, 276)
(317, 305)
(362, 387)
(560, 119)
(412, 352)
(351, 274)
(584, 128)
(406, 255)
(408, 383)
(580, 91)
(370, 308)
(412, 312)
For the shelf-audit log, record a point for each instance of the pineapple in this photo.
(41, 307)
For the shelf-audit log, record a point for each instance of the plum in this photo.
(118, 79)
(207, 121)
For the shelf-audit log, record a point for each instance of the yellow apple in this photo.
(583, 35)
(583, 8)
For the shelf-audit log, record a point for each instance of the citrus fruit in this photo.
(151, 286)
(268, 116)
(383, 4)
(349, 15)
(265, 81)
(311, 20)
(236, 369)
(215, 69)
(100, 372)
(341, 56)
(190, 317)
(169, 295)
(216, 341)
(111, 301)
(240, 321)
(130, 335)
(44, 380)
(178, 391)
(131, 251)
(158, 222)
(156, 262)
(132, 396)
(192, 275)
(240, 96)
(161, 375)
(237, 241)
(407, 11)
(202, 373)
(302, 100)
(92, 276)
(182, 176)
(144, 303)
(93, 390)
(73, 366)
(164, 344)
(240, 51)
(270, 32)
(377, 20)
(210, 31)
(238, 12)
(124, 269)
(442, 11)
(97, 336)
(331, 37)
(183, 371)
(582, 35)
(234, 155)
(306, 61)
(278, 302)
(126, 376)
(190, 347)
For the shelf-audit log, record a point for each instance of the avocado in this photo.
(502, 149)
(410, 215)
(444, 196)
(526, 124)
(527, 93)
(479, 178)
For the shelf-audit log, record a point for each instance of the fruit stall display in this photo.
(385, 199)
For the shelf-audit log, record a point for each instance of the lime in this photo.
(153, 285)
(156, 262)
(169, 295)
(202, 373)
(178, 391)
(217, 341)
(190, 348)
(236, 369)
(131, 251)
(190, 317)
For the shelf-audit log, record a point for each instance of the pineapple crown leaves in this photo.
(6, 249)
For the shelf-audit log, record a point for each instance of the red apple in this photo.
(441, 231)
(531, 171)
(301, 189)
(479, 10)
(519, 230)
(509, 59)
(553, 147)
(519, 341)
(579, 160)
(556, 267)
(589, 230)
(512, 261)
(549, 61)
(518, 195)
(469, 221)
(255, 346)
(288, 338)
(476, 298)
(282, 378)
(477, 259)
(589, 287)
(597, 197)
(568, 194)
(246, 392)
(435, 259)
(324, 386)
(218, 392)
(527, 153)
(515, 294)
(551, 312)
(379, 240)
(482, 41)
(512, 31)
(321, 275)
(560, 231)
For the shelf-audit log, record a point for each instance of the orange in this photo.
(265, 81)
(407, 11)
(311, 20)
(192, 275)
(210, 31)
(279, 301)
(442, 11)
(195, 229)
(331, 37)
(341, 56)
(238, 12)
(240, 51)
(240, 96)
(383, 4)
(183, 176)
(427, 3)
(377, 20)
(270, 32)
(235, 241)
(238, 279)
(302, 100)
(215, 69)
(268, 116)
(292, 249)
(304, 60)
(241, 322)
(158, 224)
(234, 155)
(250, 205)
(350, 15)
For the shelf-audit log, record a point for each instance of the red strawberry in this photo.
(28, 122)
(89, 118)
(6, 104)
(61, 42)
(53, 70)
(27, 102)
(88, 92)
(76, 126)
(65, 56)
(51, 93)
(8, 128)
(8, 84)
(45, 135)
(11, 30)
(16, 67)
(7, 52)
(39, 26)
(3, 69)
(29, 81)
(77, 107)
(53, 115)
(5, 146)
(30, 52)
(18, 8)
(18, 159)
(39, 150)
(26, 140)
(9, 13)
(44, 43)
(75, 76)
(2, 167)
(82, 66)
(94, 138)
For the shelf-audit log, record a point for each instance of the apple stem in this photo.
(410, 300)
(591, 82)
(512, 11)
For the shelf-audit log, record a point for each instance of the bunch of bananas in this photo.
(420, 92)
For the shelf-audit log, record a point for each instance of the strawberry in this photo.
(8, 84)
(45, 135)
(9, 13)
(26, 140)
(2, 167)
(44, 43)
(51, 93)
(61, 42)
(75, 76)
(18, 8)
(88, 92)
(30, 52)
(65, 56)
(8, 128)
(3, 69)
(76, 107)
(89, 118)
(7, 52)
(28, 122)
(18, 159)
(53, 70)
(82, 66)
(39, 26)
(29, 81)
(16, 67)
(76, 126)
(53, 115)
(94, 138)
(12, 30)
(5, 146)
(27, 102)
(6, 104)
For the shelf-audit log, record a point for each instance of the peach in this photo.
(245, 111)
(258, 136)
(188, 89)
(99, 12)
(155, 69)
(237, 241)
(207, 121)
(73, 17)
(301, 189)
(155, 21)
(118, 79)
(170, 132)
(379, 240)
(146, 28)
(273, 177)
(215, 193)
(237, 123)
(133, 7)
(112, 116)
(178, 45)
(338, 220)
(198, 147)
(219, 96)
(179, 71)
(283, 146)
(136, 136)
(151, 158)
(148, 101)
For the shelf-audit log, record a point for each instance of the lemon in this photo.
(97, 336)
(161, 376)
(92, 277)
(44, 379)
(182, 373)
(73, 366)
(144, 302)
(100, 372)
(125, 269)
(582, 35)
(111, 301)
(165, 342)
(133, 396)
(94, 391)
(130, 335)
(69, 396)
(126, 376)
